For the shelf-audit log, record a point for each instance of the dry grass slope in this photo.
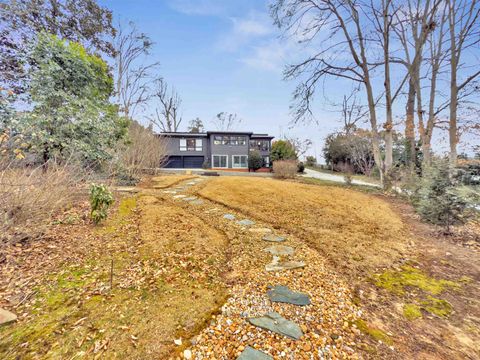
(357, 232)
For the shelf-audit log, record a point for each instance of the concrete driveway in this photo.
(309, 173)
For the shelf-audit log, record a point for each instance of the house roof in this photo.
(230, 132)
(206, 134)
(261, 136)
(183, 134)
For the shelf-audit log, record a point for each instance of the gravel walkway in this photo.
(327, 323)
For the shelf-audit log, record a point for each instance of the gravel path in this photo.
(309, 173)
(327, 323)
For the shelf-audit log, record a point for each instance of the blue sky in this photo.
(226, 55)
(223, 55)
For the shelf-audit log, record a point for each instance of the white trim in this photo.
(239, 167)
(219, 167)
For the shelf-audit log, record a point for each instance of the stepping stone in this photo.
(191, 198)
(276, 265)
(283, 294)
(280, 250)
(273, 238)
(260, 230)
(6, 317)
(252, 354)
(197, 202)
(229, 216)
(246, 222)
(179, 196)
(276, 323)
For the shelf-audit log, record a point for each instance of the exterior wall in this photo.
(209, 148)
(173, 147)
(264, 153)
(228, 150)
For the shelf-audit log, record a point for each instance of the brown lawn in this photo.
(355, 231)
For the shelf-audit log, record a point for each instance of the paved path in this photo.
(336, 178)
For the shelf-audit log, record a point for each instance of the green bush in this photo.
(282, 150)
(300, 167)
(255, 160)
(100, 200)
(439, 199)
(311, 161)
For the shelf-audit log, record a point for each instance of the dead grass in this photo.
(167, 283)
(167, 180)
(29, 196)
(357, 232)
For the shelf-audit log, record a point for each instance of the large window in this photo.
(220, 161)
(240, 161)
(266, 161)
(191, 145)
(229, 140)
(261, 145)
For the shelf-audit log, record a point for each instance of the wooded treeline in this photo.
(413, 63)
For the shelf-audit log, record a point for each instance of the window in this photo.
(240, 161)
(190, 144)
(217, 140)
(266, 161)
(261, 145)
(229, 140)
(220, 161)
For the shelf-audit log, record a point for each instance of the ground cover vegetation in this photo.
(158, 267)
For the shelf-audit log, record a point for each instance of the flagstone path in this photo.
(289, 306)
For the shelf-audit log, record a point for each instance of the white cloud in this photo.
(269, 57)
(244, 31)
(254, 25)
(199, 7)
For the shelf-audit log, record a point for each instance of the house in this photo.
(215, 149)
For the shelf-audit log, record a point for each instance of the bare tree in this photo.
(133, 76)
(226, 121)
(352, 112)
(414, 23)
(196, 126)
(345, 24)
(435, 44)
(167, 112)
(464, 33)
(300, 146)
(360, 149)
(145, 150)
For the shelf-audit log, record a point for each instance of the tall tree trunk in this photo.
(388, 93)
(410, 124)
(373, 123)
(452, 128)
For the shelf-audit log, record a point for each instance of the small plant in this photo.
(100, 200)
(255, 161)
(439, 199)
(206, 165)
(348, 179)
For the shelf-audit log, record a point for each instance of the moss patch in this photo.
(375, 333)
(397, 280)
(412, 311)
(439, 307)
